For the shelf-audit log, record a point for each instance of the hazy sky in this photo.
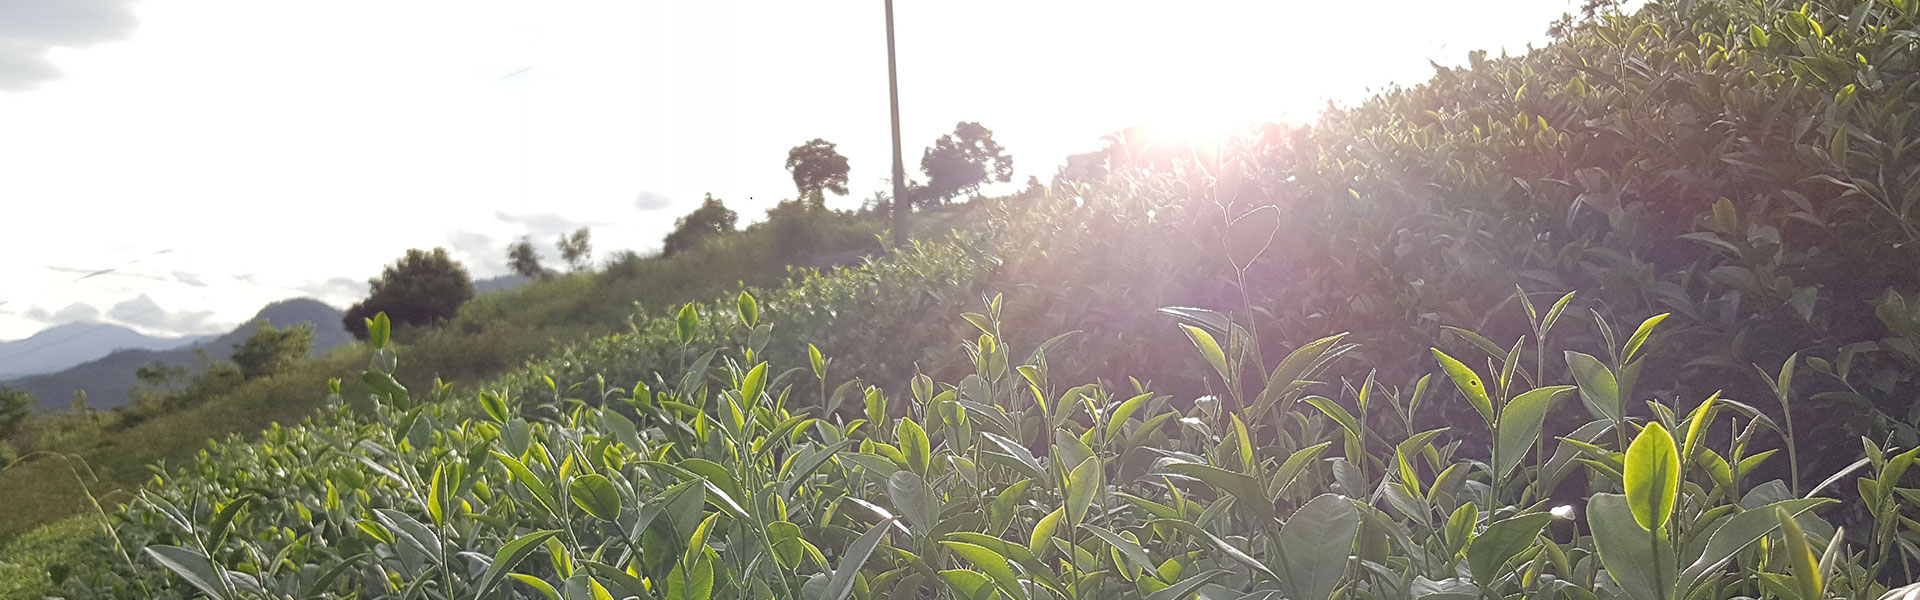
(222, 154)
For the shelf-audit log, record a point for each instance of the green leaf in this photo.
(546, 590)
(1127, 548)
(1501, 542)
(690, 584)
(1642, 567)
(1640, 336)
(754, 383)
(1209, 349)
(1286, 377)
(1083, 484)
(840, 586)
(596, 495)
(968, 585)
(1186, 587)
(1652, 477)
(1243, 487)
(379, 331)
(1806, 568)
(221, 521)
(1696, 425)
(748, 308)
(1251, 233)
(1741, 531)
(194, 567)
(909, 495)
(1125, 410)
(1460, 524)
(914, 444)
(1220, 545)
(1520, 424)
(1043, 531)
(494, 406)
(784, 536)
(995, 566)
(1469, 384)
(508, 557)
(686, 323)
(532, 483)
(818, 362)
(1315, 543)
(1598, 388)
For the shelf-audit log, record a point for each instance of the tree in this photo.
(960, 161)
(422, 287)
(712, 218)
(576, 249)
(15, 406)
(817, 168)
(271, 350)
(525, 260)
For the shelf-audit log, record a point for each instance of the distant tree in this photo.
(271, 350)
(15, 406)
(576, 249)
(960, 161)
(524, 260)
(422, 287)
(817, 168)
(712, 218)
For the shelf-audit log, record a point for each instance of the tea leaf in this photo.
(1469, 384)
(1652, 478)
(508, 557)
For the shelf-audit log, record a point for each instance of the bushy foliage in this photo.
(576, 249)
(271, 350)
(524, 259)
(422, 287)
(15, 406)
(710, 219)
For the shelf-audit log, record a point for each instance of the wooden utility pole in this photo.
(901, 206)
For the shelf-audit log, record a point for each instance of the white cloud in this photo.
(30, 29)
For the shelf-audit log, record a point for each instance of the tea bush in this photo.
(710, 480)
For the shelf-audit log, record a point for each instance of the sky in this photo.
(174, 165)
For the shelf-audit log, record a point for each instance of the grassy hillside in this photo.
(491, 334)
(1279, 367)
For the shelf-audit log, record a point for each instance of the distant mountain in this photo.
(498, 284)
(70, 344)
(109, 381)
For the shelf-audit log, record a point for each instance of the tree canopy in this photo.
(959, 162)
(576, 249)
(712, 218)
(15, 405)
(524, 259)
(422, 287)
(271, 350)
(817, 168)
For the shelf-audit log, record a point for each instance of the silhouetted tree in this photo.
(713, 217)
(576, 249)
(525, 260)
(271, 350)
(817, 168)
(960, 161)
(422, 287)
(15, 405)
